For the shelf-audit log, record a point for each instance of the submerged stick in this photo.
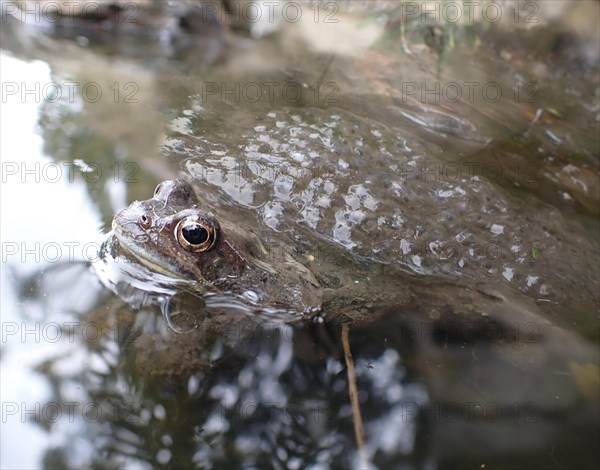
(353, 392)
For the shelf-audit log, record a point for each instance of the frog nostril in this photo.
(145, 221)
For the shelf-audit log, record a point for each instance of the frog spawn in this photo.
(381, 194)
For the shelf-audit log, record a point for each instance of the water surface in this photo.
(89, 380)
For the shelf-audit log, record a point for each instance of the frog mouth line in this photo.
(214, 299)
(144, 257)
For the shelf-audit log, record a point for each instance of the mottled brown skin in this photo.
(236, 263)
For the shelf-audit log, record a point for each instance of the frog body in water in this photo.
(172, 235)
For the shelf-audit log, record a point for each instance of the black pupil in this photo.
(194, 234)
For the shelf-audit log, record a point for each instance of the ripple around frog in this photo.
(139, 286)
(134, 283)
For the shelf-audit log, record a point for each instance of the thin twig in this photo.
(353, 392)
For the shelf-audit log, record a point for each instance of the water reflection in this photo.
(126, 390)
(43, 249)
(254, 394)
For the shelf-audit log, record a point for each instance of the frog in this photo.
(173, 235)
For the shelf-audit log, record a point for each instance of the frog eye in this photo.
(195, 235)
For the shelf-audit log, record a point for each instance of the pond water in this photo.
(439, 179)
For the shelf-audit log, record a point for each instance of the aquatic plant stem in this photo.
(353, 392)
